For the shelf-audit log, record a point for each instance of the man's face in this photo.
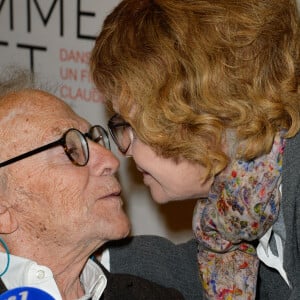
(53, 200)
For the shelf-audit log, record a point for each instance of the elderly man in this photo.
(59, 201)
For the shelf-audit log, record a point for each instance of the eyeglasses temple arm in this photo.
(32, 152)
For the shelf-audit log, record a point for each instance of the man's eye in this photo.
(74, 152)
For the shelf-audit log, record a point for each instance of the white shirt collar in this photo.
(25, 272)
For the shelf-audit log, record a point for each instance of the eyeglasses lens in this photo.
(77, 147)
(123, 135)
(99, 135)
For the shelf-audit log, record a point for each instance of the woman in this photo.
(206, 96)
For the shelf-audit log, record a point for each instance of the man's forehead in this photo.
(33, 102)
(30, 98)
(37, 110)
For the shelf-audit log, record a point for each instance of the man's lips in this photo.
(116, 193)
(112, 190)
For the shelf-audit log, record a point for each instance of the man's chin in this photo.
(124, 230)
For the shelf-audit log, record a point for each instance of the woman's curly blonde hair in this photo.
(185, 72)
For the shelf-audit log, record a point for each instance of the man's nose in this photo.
(102, 160)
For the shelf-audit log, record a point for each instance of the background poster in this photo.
(54, 38)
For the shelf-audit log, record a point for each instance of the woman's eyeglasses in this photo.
(121, 132)
(74, 143)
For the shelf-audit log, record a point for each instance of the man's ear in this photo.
(8, 221)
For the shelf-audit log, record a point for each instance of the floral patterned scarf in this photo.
(242, 205)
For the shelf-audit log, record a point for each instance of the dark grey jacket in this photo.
(271, 286)
(159, 260)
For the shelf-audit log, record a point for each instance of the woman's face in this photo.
(168, 180)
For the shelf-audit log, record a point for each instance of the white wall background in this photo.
(54, 38)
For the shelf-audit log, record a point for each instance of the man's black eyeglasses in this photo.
(74, 143)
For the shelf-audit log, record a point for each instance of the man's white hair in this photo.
(16, 78)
